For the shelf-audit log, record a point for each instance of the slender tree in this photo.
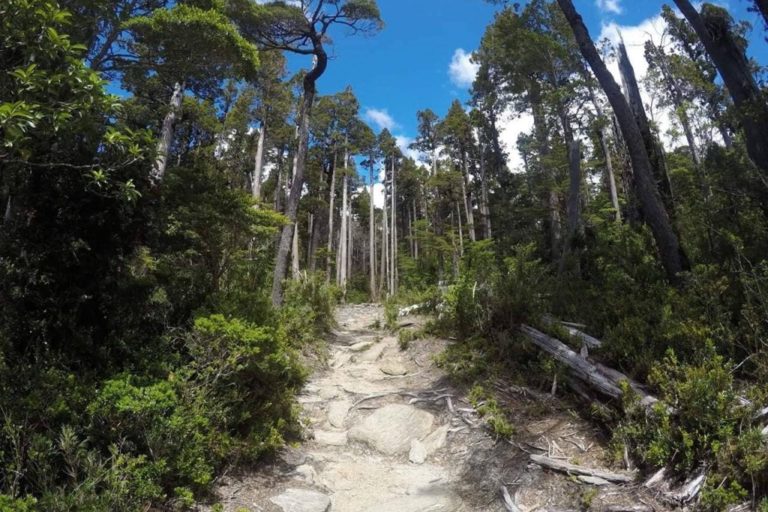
(672, 256)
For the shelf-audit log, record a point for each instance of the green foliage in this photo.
(490, 410)
(308, 309)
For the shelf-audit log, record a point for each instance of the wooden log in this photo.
(572, 469)
(586, 339)
(579, 366)
(509, 503)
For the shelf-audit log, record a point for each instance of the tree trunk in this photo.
(672, 256)
(485, 209)
(341, 257)
(461, 229)
(611, 176)
(732, 63)
(762, 6)
(468, 207)
(258, 163)
(312, 249)
(393, 247)
(372, 242)
(573, 207)
(166, 134)
(331, 215)
(652, 146)
(295, 252)
(297, 185)
(384, 278)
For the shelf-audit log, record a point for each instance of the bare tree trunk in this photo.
(393, 247)
(672, 256)
(331, 201)
(372, 242)
(297, 185)
(166, 134)
(384, 245)
(728, 55)
(485, 209)
(8, 210)
(461, 229)
(343, 232)
(468, 207)
(295, 252)
(312, 249)
(611, 176)
(258, 163)
(573, 206)
(415, 240)
(652, 146)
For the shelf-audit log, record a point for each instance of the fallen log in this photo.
(579, 366)
(571, 328)
(573, 469)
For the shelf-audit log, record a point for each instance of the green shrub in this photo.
(488, 408)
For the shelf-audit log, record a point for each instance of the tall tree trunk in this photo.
(573, 207)
(297, 185)
(341, 256)
(732, 63)
(603, 137)
(372, 242)
(461, 229)
(413, 232)
(393, 221)
(312, 249)
(295, 252)
(468, 207)
(671, 253)
(166, 134)
(652, 145)
(258, 164)
(384, 278)
(485, 209)
(331, 215)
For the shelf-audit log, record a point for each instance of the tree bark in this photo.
(331, 215)
(258, 163)
(341, 256)
(295, 252)
(372, 242)
(384, 278)
(166, 134)
(652, 146)
(467, 200)
(671, 253)
(732, 63)
(573, 205)
(485, 209)
(393, 247)
(297, 185)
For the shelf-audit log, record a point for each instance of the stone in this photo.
(302, 500)
(331, 438)
(374, 354)
(391, 428)
(306, 473)
(418, 453)
(361, 347)
(328, 393)
(436, 440)
(393, 368)
(337, 413)
(433, 502)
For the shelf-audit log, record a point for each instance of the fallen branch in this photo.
(571, 328)
(509, 503)
(579, 366)
(572, 469)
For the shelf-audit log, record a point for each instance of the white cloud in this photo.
(461, 69)
(612, 6)
(381, 118)
(510, 127)
(378, 194)
(404, 143)
(635, 36)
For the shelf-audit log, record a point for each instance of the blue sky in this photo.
(405, 67)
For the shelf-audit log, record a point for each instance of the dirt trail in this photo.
(386, 432)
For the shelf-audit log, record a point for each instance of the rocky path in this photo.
(387, 433)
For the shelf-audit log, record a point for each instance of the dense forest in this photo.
(181, 215)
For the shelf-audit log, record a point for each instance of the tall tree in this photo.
(714, 27)
(301, 29)
(188, 48)
(671, 253)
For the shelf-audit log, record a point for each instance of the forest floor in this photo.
(387, 432)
